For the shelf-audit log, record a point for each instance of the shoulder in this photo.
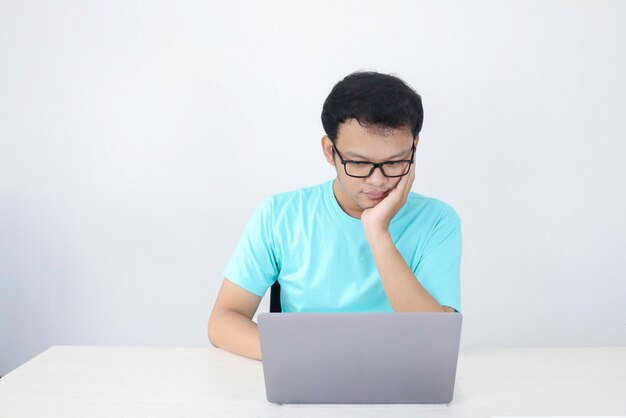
(434, 209)
(310, 192)
(297, 200)
(291, 196)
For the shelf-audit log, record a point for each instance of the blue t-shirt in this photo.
(323, 262)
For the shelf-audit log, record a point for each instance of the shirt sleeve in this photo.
(253, 265)
(439, 268)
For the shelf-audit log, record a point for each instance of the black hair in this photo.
(374, 100)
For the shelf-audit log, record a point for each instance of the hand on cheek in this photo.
(378, 218)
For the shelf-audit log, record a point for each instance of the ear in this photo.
(417, 139)
(327, 148)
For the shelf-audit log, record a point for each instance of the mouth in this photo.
(376, 195)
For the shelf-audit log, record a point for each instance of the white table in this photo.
(79, 381)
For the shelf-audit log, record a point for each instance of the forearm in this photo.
(236, 333)
(404, 291)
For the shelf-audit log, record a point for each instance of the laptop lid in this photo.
(360, 357)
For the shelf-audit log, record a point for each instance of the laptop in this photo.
(360, 357)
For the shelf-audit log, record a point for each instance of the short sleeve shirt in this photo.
(322, 260)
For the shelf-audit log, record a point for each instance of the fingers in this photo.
(403, 187)
(412, 174)
(408, 180)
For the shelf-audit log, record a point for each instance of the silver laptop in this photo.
(360, 357)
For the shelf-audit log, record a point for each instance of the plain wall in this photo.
(138, 137)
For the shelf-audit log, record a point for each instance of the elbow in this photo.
(212, 331)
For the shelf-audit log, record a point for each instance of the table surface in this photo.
(86, 381)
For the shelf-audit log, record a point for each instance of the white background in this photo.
(138, 137)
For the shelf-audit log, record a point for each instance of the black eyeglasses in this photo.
(363, 169)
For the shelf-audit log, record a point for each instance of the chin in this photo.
(365, 204)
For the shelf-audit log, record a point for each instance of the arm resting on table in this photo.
(231, 326)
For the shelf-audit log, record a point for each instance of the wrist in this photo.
(375, 234)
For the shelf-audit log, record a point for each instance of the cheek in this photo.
(395, 182)
(352, 185)
(355, 185)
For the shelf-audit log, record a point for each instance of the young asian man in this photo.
(360, 242)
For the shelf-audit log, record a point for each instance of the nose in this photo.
(377, 178)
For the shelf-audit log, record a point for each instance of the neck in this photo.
(344, 201)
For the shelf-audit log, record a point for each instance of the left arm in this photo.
(404, 291)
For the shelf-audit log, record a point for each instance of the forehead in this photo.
(373, 142)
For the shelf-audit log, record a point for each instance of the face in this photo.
(355, 142)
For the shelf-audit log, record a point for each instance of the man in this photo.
(360, 242)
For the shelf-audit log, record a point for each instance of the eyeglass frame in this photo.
(376, 165)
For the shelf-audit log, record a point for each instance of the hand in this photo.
(378, 218)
